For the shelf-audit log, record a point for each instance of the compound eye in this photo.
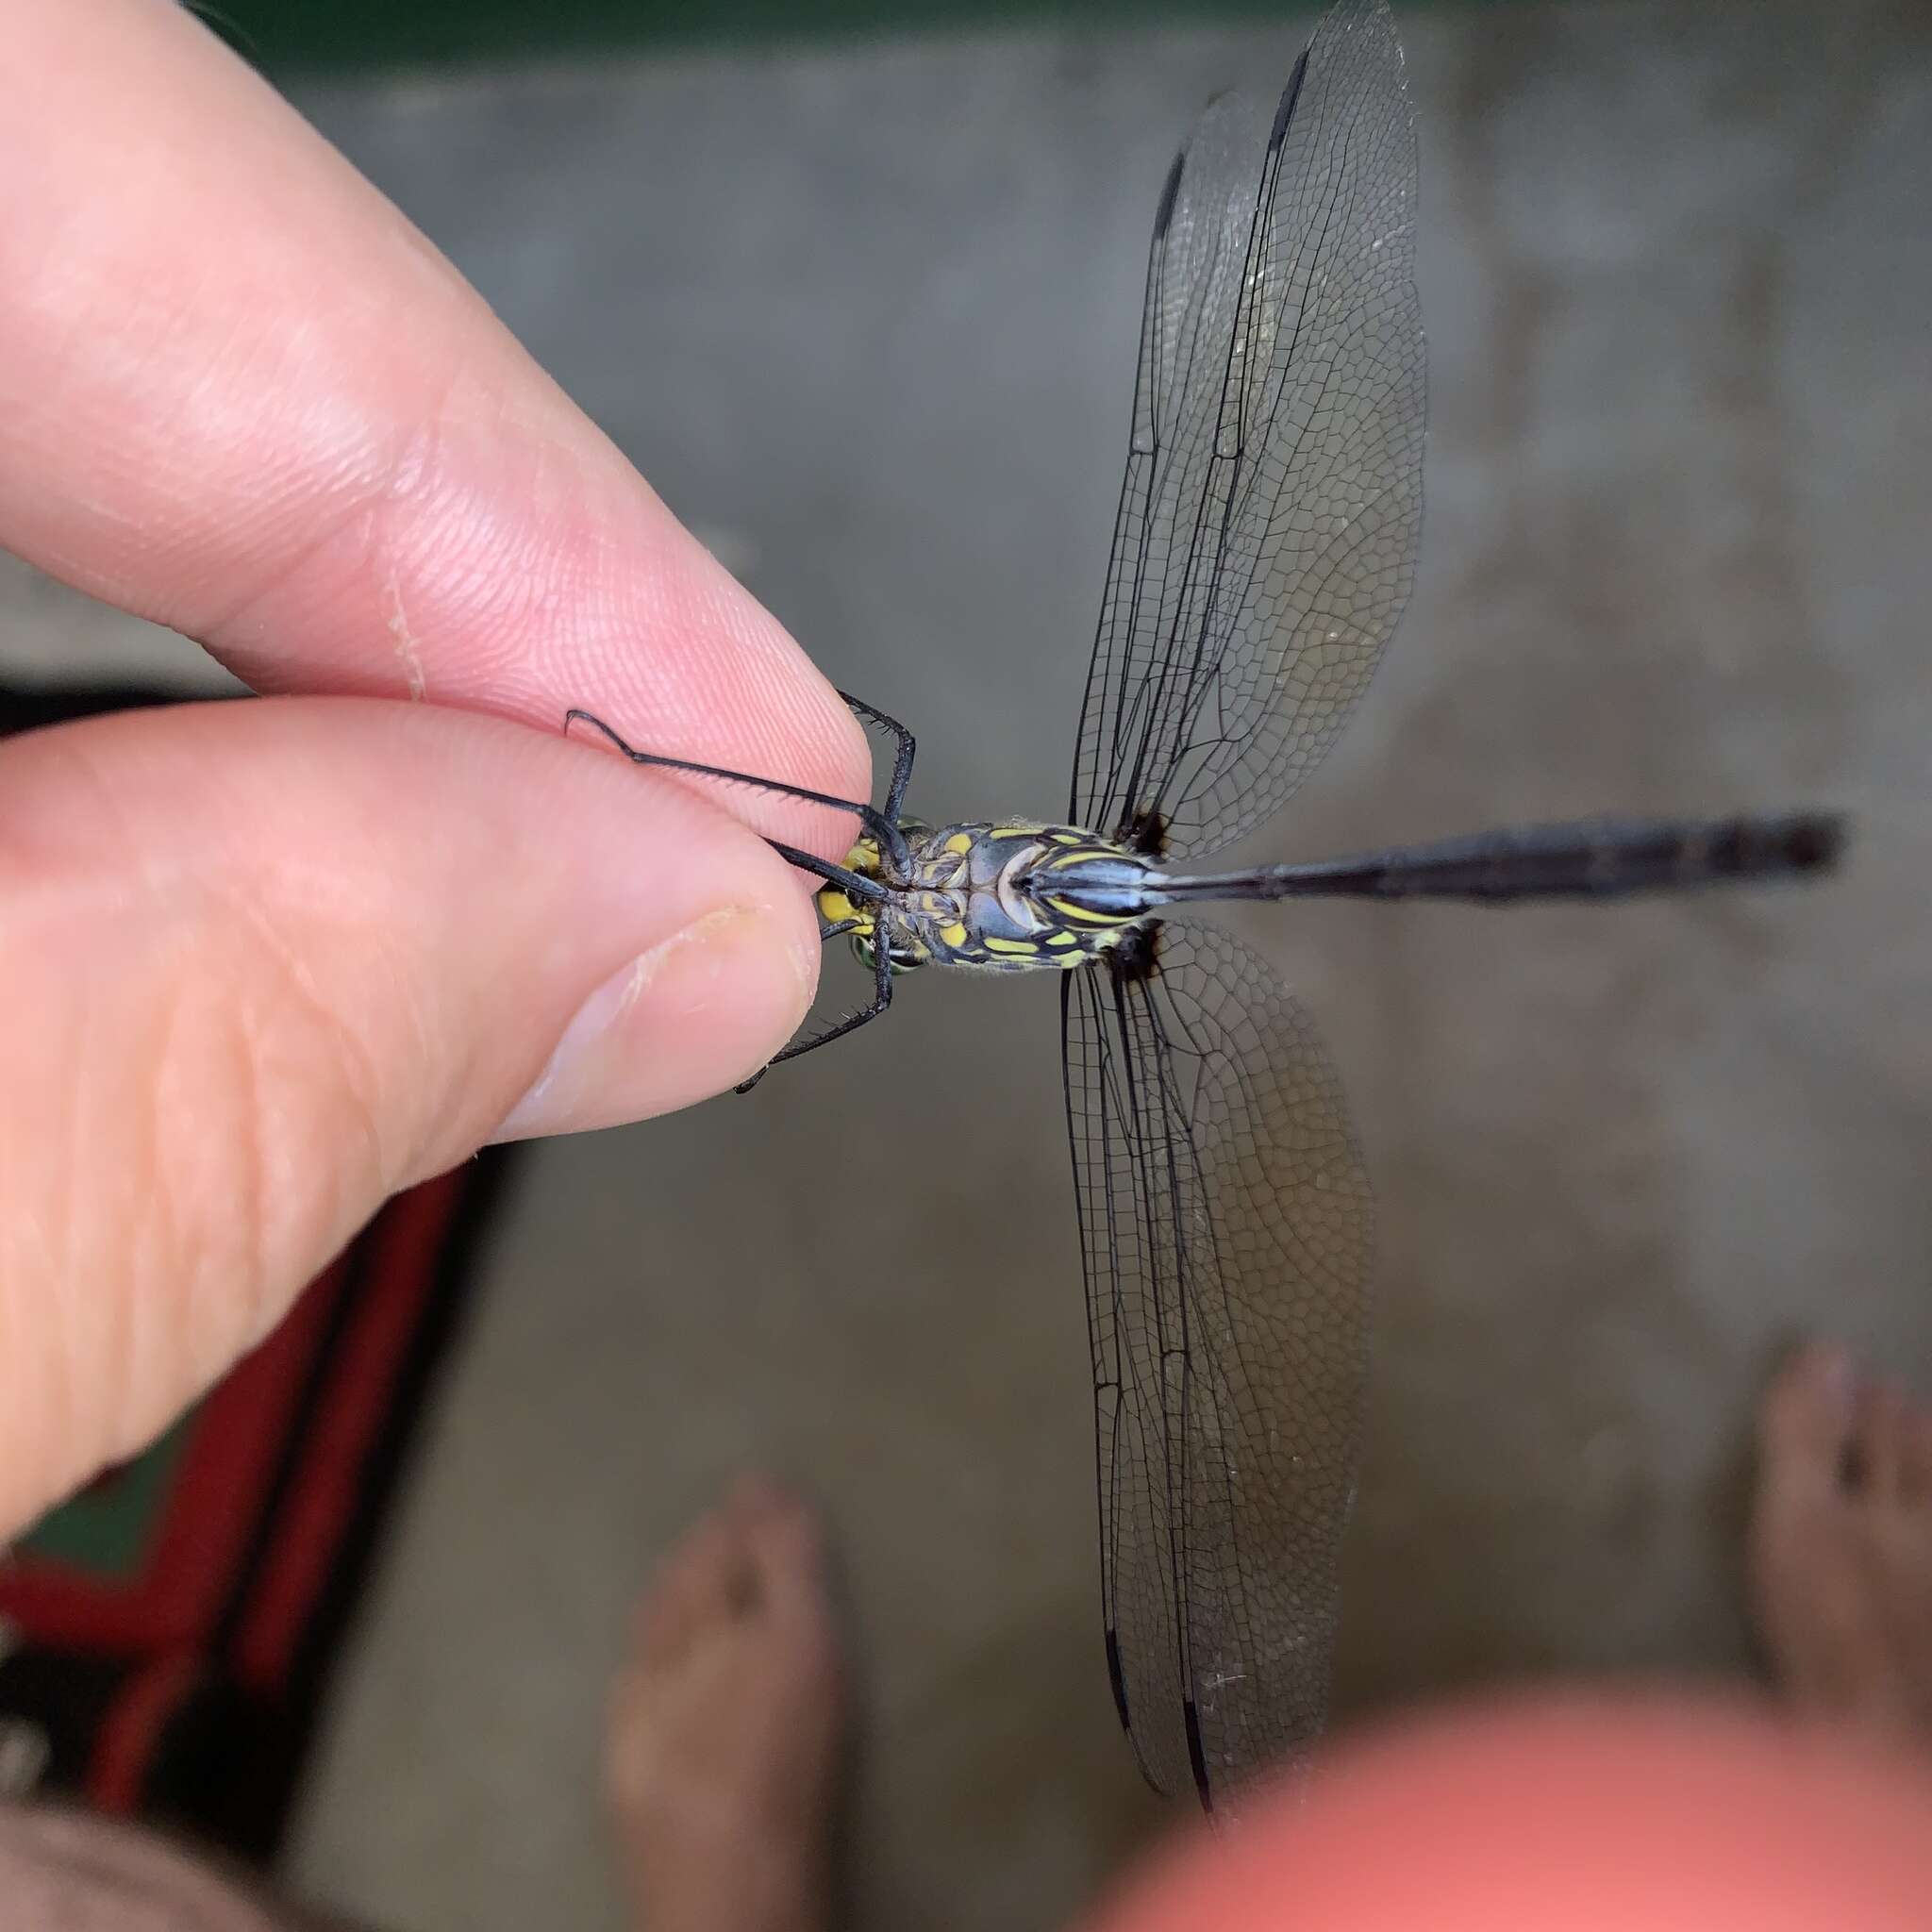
(900, 957)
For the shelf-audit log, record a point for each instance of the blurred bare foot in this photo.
(1841, 1545)
(726, 1727)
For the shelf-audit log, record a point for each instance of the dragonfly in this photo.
(1262, 553)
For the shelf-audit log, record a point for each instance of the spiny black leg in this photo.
(890, 837)
(902, 759)
(853, 884)
(881, 999)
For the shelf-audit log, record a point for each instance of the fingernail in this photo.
(683, 1021)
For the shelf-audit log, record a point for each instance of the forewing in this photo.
(1225, 1238)
(1266, 537)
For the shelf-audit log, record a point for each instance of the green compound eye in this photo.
(902, 958)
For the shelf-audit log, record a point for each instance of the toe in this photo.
(1805, 1418)
(691, 1590)
(1880, 1432)
(1839, 1580)
(800, 1628)
(1918, 1458)
(1800, 1512)
(755, 1497)
(789, 1549)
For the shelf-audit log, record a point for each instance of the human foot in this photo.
(722, 1758)
(1841, 1545)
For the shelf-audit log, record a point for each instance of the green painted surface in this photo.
(105, 1530)
(283, 34)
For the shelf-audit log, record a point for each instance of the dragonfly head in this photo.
(839, 911)
(903, 952)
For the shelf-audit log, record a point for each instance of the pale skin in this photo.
(264, 965)
(261, 966)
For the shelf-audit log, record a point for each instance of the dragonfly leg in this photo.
(881, 999)
(902, 757)
(854, 885)
(892, 839)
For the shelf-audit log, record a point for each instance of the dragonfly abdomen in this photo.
(1590, 859)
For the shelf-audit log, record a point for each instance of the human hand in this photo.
(264, 964)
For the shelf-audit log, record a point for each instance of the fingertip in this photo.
(269, 961)
(693, 1014)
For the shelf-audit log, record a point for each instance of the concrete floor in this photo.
(866, 317)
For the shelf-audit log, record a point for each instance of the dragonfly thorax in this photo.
(1002, 897)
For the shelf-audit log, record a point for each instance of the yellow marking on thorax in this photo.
(952, 935)
(1011, 947)
(1067, 910)
(836, 909)
(959, 841)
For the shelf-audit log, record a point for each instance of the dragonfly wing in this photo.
(1225, 1228)
(1266, 537)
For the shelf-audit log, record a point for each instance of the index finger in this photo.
(240, 394)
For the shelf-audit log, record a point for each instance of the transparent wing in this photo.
(1266, 537)
(1225, 1234)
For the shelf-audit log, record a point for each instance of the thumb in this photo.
(263, 963)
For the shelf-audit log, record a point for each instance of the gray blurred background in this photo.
(864, 312)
